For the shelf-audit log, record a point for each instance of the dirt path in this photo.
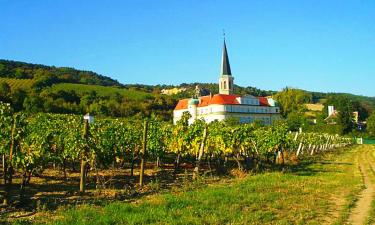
(361, 210)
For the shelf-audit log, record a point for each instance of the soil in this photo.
(51, 191)
(362, 207)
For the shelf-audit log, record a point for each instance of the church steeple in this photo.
(226, 78)
(225, 66)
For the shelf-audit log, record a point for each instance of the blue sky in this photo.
(318, 45)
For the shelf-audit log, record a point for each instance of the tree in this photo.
(296, 120)
(345, 119)
(87, 100)
(371, 125)
(292, 100)
(20, 73)
(44, 78)
(363, 109)
(2, 69)
(345, 110)
(4, 92)
(33, 104)
(18, 96)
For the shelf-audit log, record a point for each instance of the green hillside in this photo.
(22, 70)
(80, 89)
(321, 97)
(101, 91)
(113, 101)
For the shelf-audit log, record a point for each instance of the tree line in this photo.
(293, 102)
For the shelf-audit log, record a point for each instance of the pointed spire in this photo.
(225, 66)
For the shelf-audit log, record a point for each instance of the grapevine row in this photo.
(31, 143)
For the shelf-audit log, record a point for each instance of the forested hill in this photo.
(370, 101)
(22, 70)
(40, 88)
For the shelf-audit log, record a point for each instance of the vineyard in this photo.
(100, 90)
(30, 144)
(17, 83)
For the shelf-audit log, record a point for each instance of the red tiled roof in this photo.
(263, 101)
(224, 100)
(218, 99)
(182, 104)
(204, 101)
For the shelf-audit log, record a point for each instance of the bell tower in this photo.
(226, 78)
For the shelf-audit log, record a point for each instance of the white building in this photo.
(226, 104)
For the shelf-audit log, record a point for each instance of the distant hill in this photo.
(317, 97)
(36, 87)
(188, 90)
(320, 97)
(22, 70)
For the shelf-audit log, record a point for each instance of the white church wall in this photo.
(217, 108)
(246, 113)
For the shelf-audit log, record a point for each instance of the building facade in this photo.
(226, 104)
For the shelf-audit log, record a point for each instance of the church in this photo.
(226, 104)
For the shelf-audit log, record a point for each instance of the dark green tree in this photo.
(4, 92)
(296, 120)
(345, 110)
(371, 125)
(33, 104)
(18, 96)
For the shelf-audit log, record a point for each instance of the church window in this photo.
(225, 85)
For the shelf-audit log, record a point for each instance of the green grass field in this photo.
(317, 191)
(18, 83)
(101, 90)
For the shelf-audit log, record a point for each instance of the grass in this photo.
(18, 83)
(371, 217)
(101, 90)
(314, 192)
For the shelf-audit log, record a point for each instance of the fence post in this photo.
(143, 151)
(82, 183)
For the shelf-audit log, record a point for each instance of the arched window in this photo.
(225, 85)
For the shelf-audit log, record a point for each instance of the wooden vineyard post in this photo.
(299, 149)
(201, 151)
(82, 183)
(142, 153)
(3, 165)
(8, 172)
